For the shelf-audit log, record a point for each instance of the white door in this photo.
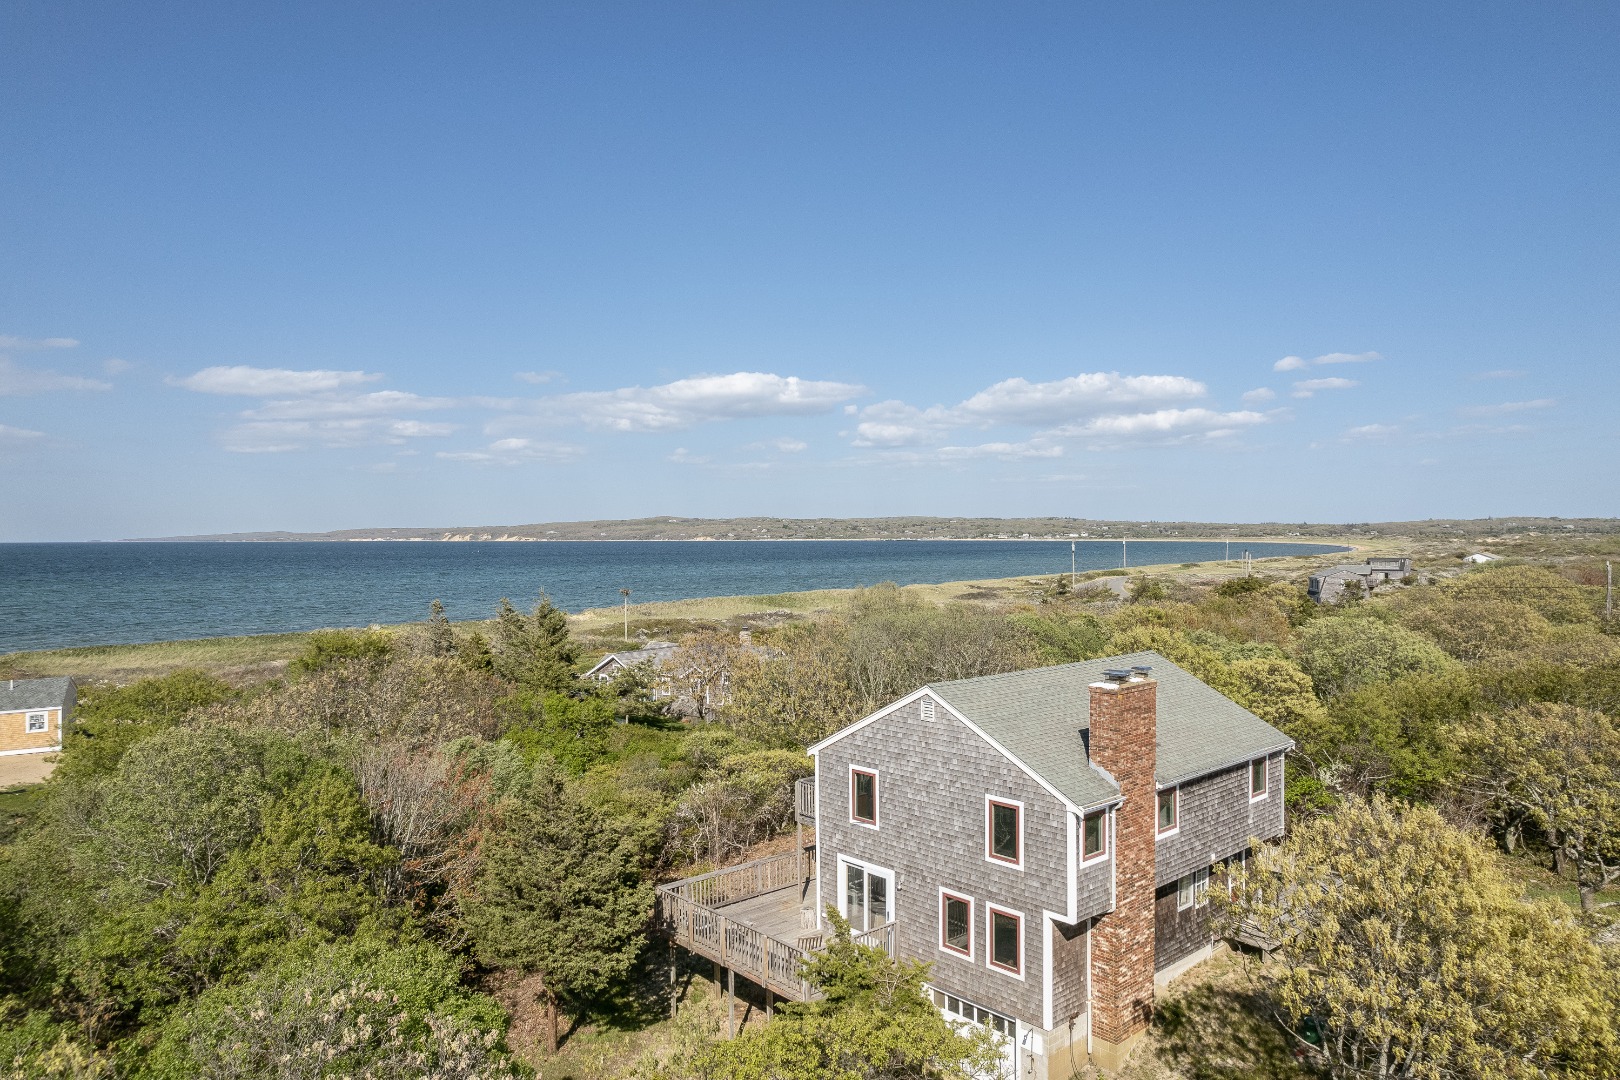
(867, 896)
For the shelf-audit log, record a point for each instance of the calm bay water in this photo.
(56, 595)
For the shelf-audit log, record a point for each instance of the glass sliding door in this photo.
(867, 895)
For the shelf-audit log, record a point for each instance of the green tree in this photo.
(571, 730)
(1407, 943)
(357, 1010)
(329, 647)
(534, 651)
(112, 719)
(561, 896)
(873, 1022)
(1348, 652)
(1559, 767)
(441, 639)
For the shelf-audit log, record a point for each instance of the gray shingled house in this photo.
(1327, 586)
(1044, 839)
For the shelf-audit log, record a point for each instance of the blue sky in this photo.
(314, 266)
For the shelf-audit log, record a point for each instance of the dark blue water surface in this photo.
(56, 595)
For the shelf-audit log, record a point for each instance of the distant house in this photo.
(656, 653)
(1481, 557)
(1327, 586)
(35, 714)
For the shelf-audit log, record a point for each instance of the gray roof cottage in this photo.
(1044, 839)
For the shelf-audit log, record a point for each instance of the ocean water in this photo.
(58, 595)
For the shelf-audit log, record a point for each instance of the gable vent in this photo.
(927, 708)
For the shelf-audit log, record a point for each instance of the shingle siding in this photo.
(934, 776)
(1068, 971)
(1217, 820)
(1177, 933)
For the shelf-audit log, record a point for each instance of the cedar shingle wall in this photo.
(1217, 820)
(1177, 934)
(934, 777)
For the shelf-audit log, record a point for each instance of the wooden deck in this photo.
(758, 919)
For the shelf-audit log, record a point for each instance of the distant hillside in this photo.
(940, 528)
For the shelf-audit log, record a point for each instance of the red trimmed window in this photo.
(1006, 941)
(1005, 832)
(956, 924)
(1094, 836)
(863, 796)
(1169, 811)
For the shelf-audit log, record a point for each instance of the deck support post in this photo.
(674, 979)
(731, 1003)
(770, 1000)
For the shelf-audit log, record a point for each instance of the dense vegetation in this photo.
(386, 853)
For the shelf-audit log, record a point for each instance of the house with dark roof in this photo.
(1044, 839)
(35, 714)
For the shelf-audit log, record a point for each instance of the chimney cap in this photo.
(1141, 669)
(1117, 674)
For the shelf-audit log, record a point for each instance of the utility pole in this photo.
(1073, 578)
(626, 594)
(1248, 564)
(1228, 549)
(1124, 556)
(1608, 591)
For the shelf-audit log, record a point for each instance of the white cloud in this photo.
(282, 436)
(8, 341)
(245, 381)
(1500, 373)
(1162, 424)
(1259, 394)
(17, 434)
(1507, 407)
(788, 446)
(114, 366)
(377, 403)
(1298, 363)
(701, 399)
(517, 452)
(1308, 387)
(1346, 358)
(683, 456)
(1020, 402)
(1371, 431)
(20, 380)
(539, 378)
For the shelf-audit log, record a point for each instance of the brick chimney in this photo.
(1124, 731)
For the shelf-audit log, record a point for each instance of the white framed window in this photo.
(863, 797)
(1259, 779)
(1169, 811)
(1201, 887)
(1004, 939)
(955, 923)
(1004, 831)
(38, 722)
(951, 1005)
(1184, 892)
(1094, 836)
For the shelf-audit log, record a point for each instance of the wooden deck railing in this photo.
(688, 911)
(804, 801)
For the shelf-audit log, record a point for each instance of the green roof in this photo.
(1038, 716)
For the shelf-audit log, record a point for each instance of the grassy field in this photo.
(239, 657)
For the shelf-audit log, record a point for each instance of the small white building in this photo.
(1481, 557)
